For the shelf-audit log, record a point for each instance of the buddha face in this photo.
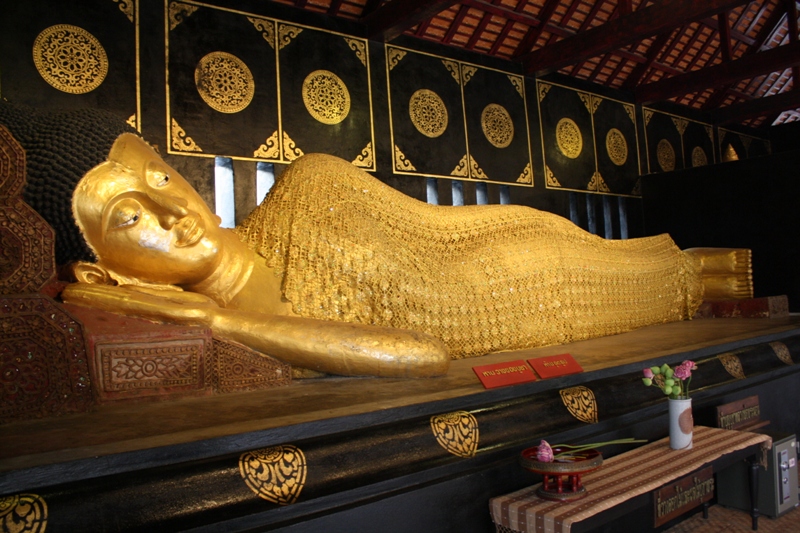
(144, 220)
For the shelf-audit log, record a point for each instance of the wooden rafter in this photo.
(759, 107)
(769, 27)
(535, 31)
(747, 67)
(392, 19)
(622, 31)
(652, 54)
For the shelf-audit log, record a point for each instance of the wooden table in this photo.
(625, 482)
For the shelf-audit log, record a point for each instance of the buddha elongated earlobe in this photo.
(91, 273)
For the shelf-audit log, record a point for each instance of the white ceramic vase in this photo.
(681, 424)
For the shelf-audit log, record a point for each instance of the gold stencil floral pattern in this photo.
(70, 59)
(428, 113)
(732, 364)
(224, 82)
(665, 155)
(497, 125)
(568, 138)
(617, 147)
(581, 403)
(276, 474)
(699, 158)
(326, 97)
(23, 513)
(456, 432)
(782, 351)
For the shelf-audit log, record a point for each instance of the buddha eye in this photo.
(161, 179)
(157, 176)
(126, 213)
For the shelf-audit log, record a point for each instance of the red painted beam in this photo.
(622, 31)
(773, 60)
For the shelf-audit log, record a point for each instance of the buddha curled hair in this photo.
(61, 146)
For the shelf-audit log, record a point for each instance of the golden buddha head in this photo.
(143, 220)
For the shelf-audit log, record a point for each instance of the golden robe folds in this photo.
(480, 278)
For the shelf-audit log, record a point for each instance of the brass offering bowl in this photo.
(562, 477)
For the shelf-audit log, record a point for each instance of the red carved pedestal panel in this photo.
(44, 370)
(26, 241)
(132, 358)
(239, 368)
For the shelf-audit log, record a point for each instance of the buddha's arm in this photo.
(330, 347)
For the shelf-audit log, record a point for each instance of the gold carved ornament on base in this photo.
(581, 403)
(456, 432)
(276, 474)
(70, 59)
(782, 351)
(23, 513)
(224, 82)
(732, 364)
(326, 97)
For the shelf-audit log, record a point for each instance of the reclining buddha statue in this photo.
(336, 271)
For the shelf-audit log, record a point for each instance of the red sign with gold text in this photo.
(555, 365)
(502, 374)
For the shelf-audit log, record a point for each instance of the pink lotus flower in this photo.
(683, 371)
(648, 373)
(691, 364)
(544, 453)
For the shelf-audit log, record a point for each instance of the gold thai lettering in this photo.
(685, 497)
(507, 370)
(560, 362)
(728, 421)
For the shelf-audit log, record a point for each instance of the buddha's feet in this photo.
(727, 272)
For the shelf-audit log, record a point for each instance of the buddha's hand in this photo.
(177, 307)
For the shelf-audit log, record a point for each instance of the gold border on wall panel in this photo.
(468, 169)
(681, 123)
(279, 144)
(592, 101)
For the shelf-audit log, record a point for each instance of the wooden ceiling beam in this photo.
(622, 31)
(791, 22)
(391, 20)
(652, 54)
(369, 7)
(747, 67)
(725, 36)
(453, 29)
(759, 107)
(534, 32)
(767, 29)
(523, 18)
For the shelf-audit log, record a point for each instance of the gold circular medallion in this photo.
(224, 82)
(23, 512)
(666, 155)
(70, 59)
(568, 138)
(428, 113)
(617, 147)
(326, 97)
(699, 158)
(497, 125)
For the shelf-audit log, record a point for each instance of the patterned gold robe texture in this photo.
(480, 278)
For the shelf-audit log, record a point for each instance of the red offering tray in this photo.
(562, 476)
